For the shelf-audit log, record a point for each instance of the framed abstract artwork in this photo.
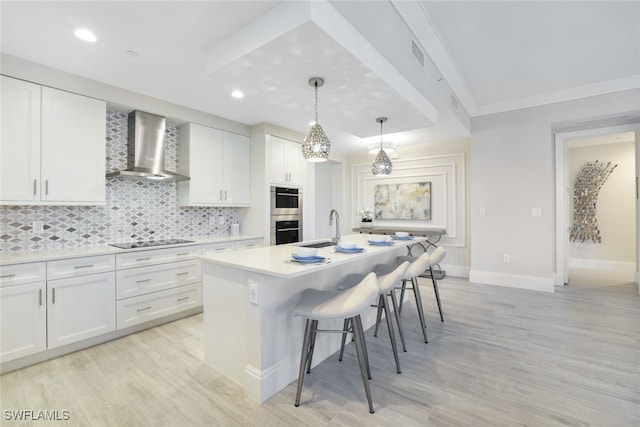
(409, 201)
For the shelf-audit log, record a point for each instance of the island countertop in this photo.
(276, 260)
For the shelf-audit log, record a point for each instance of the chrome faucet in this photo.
(337, 236)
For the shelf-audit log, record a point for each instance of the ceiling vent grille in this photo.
(417, 53)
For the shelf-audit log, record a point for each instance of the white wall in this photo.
(615, 208)
(512, 171)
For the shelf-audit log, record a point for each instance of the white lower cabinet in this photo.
(23, 320)
(155, 283)
(135, 310)
(80, 308)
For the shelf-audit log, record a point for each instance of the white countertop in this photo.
(276, 260)
(20, 257)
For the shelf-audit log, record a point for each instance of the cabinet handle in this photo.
(7, 276)
(183, 299)
(143, 309)
(183, 253)
(182, 274)
(46, 187)
(35, 183)
(143, 281)
(220, 194)
(39, 296)
(219, 249)
(250, 245)
(53, 295)
(84, 266)
(225, 194)
(143, 259)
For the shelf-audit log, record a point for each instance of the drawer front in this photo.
(143, 280)
(248, 244)
(136, 310)
(75, 267)
(18, 274)
(216, 248)
(155, 256)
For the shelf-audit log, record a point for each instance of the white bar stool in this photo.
(415, 268)
(436, 257)
(387, 283)
(315, 305)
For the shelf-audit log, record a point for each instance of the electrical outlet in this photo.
(536, 211)
(37, 227)
(221, 220)
(253, 293)
(483, 212)
(212, 220)
(506, 258)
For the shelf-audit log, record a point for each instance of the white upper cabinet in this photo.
(219, 165)
(20, 147)
(53, 146)
(287, 164)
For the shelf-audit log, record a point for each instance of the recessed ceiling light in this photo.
(237, 94)
(86, 35)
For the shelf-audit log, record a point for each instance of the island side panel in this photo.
(226, 330)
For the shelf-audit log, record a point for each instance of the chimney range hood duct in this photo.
(145, 149)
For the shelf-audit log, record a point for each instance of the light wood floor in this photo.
(503, 357)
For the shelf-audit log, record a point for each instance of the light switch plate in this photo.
(536, 211)
(483, 212)
(253, 293)
(37, 227)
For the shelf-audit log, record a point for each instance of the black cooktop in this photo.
(149, 243)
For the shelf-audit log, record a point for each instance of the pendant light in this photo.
(316, 146)
(382, 164)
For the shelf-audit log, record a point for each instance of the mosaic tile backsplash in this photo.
(134, 210)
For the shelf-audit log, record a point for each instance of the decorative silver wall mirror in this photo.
(590, 179)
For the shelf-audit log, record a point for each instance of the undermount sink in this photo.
(318, 244)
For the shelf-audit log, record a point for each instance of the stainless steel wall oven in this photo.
(286, 215)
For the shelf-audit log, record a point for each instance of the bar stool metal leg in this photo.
(345, 329)
(402, 291)
(312, 345)
(379, 316)
(392, 335)
(396, 311)
(435, 289)
(361, 352)
(423, 321)
(303, 359)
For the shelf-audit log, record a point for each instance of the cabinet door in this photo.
(278, 156)
(236, 169)
(20, 150)
(80, 308)
(295, 163)
(23, 320)
(204, 156)
(73, 147)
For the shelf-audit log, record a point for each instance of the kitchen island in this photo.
(250, 333)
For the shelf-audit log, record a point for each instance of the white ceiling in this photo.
(495, 55)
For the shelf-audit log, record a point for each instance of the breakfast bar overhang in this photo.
(250, 334)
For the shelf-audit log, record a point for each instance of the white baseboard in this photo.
(456, 270)
(534, 283)
(603, 265)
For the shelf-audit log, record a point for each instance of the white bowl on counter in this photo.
(306, 252)
(402, 234)
(346, 245)
(378, 239)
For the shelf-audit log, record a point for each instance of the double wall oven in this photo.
(286, 215)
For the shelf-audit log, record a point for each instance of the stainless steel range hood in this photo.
(145, 149)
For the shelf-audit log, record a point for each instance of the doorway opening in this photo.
(613, 260)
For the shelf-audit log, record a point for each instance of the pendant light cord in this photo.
(316, 104)
(381, 133)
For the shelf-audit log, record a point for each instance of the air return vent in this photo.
(417, 52)
(454, 101)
